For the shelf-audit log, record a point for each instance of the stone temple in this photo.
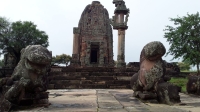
(93, 39)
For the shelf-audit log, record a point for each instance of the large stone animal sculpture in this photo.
(150, 81)
(28, 80)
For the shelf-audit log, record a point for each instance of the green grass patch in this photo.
(191, 71)
(180, 82)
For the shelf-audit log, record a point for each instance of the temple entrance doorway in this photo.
(94, 53)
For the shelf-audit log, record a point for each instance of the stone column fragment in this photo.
(121, 48)
(76, 47)
(76, 41)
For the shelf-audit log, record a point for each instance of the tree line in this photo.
(15, 36)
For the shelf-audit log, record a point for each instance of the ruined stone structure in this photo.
(29, 79)
(93, 39)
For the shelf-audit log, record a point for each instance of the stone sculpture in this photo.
(28, 80)
(149, 82)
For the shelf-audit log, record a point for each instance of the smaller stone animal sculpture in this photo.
(29, 78)
(149, 82)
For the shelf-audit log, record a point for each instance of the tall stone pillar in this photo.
(76, 47)
(120, 24)
(121, 48)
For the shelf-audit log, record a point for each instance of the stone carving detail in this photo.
(95, 30)
(28, 78)
(149, 82)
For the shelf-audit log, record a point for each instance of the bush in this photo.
(180, 82)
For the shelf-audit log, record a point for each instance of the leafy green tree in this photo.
(184, 66)
(61, 59)
(4, 24)
(184, 38)
(20, 34)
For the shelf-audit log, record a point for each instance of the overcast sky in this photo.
(57, 18)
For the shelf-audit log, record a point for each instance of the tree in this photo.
(61, 59)
(184, 38)
(184, 66)
(20, 34)
(4, 24)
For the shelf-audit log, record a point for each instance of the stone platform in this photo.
(111, 100)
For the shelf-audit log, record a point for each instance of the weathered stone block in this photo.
(193, 85)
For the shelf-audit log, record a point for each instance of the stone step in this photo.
(93, 69)
(87, 77)
(66, 77)
(92, 74)
(71, 82)
(89, 86)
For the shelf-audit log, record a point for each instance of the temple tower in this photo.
(93, 39)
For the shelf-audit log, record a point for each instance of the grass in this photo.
(180, 82)
(191, 71)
